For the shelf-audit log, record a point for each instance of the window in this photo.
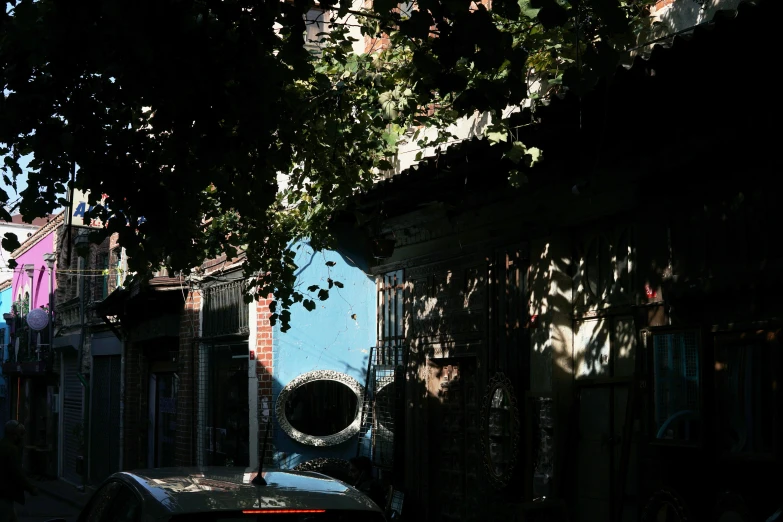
(125, 507)
(316, 22)
(225, 311)
(745, 390)
(677, 415)
(391, 330)
(99, 507)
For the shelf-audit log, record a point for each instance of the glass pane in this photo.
(166, 421)
(125, 506)
(99, 506)
(321, 407)
(228, 425)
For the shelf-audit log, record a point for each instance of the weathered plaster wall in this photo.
(22, 232)
(551, 306)
(39, 288)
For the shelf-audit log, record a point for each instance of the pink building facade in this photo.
(36, 289)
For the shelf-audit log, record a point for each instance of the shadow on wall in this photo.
(333, 339)
(682, 15)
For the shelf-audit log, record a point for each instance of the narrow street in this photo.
(44, 507)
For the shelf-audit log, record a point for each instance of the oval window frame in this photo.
(320, 440)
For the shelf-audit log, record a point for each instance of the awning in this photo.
(139, 299)
(66, 342)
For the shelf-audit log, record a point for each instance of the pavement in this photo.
(44, 508)
(56, 499)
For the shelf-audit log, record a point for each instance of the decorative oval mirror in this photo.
(320, 408)
(500, 430)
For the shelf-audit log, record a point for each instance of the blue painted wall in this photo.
(337, 335)
(5, 308)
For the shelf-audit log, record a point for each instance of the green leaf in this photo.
(496, 136)
(517, 178)
(527, 9)
(313, 288)
(309, 305)
(418, 25)
(338, 284)
(385, 164)
(330, 263)
(553, 15)
(388, 105)
(516, 152)
(323, 294)
(10, 242)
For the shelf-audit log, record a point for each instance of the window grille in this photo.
(383, 412)
(676, 379)
(225, 311)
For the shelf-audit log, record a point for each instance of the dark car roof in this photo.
(198, 490)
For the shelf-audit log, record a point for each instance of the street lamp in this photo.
(49, 259)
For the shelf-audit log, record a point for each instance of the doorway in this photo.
(163, 388)
(224, 408)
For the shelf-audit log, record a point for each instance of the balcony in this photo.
(31, 359)
(225, 311)
(68, 313)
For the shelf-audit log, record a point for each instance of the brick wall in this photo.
(661, 4)
(67, 280)
(185, 446)
(264, 371)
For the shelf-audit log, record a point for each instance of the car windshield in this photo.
(302, 515)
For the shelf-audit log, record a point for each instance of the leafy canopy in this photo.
(186, 113)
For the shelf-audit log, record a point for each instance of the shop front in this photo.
(223, 372)
(224, 411)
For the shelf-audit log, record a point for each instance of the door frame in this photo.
(152, 408)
